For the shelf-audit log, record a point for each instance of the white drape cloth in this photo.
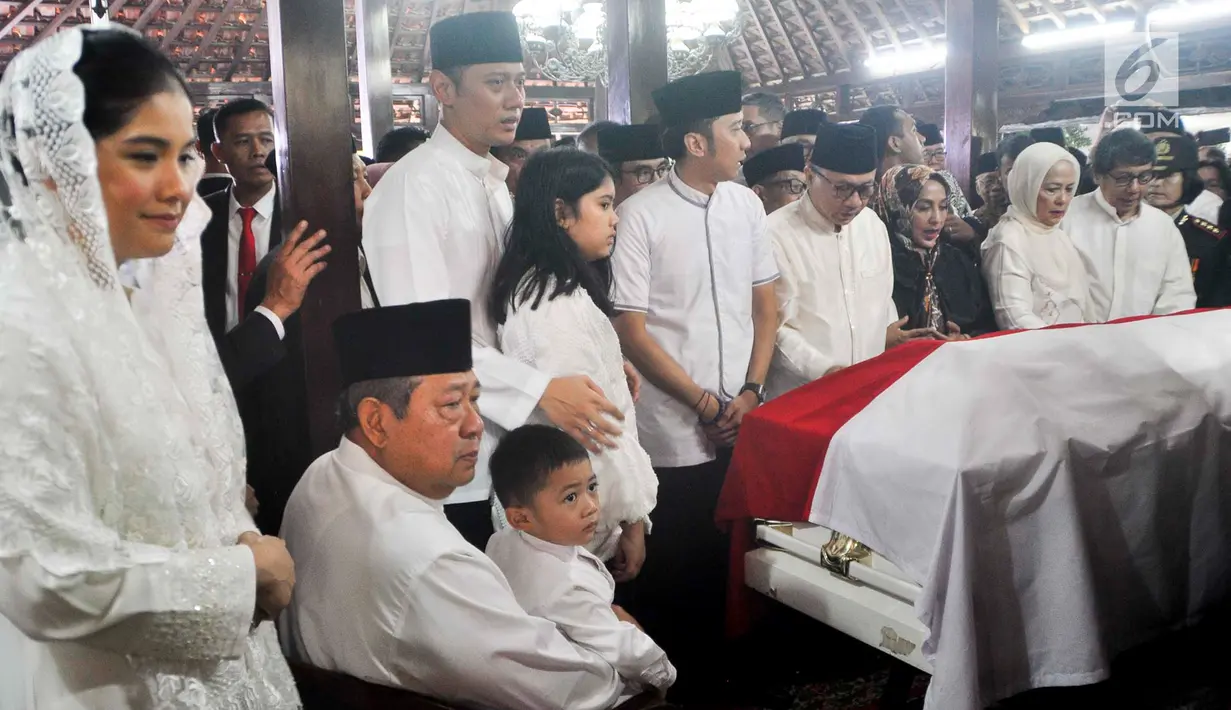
(1064, 498)
(122, 475)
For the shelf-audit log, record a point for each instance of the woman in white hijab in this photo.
(129, 575)
(1034, 274)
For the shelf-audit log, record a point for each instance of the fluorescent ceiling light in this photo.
(1188, 14)
(908, 61)
(1079, 35)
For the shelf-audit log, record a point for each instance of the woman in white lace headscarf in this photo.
(1034, 274)
(550, 298)
(124, 581)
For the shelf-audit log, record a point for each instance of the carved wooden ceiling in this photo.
(800, 47)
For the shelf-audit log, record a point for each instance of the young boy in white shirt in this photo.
(550, 496)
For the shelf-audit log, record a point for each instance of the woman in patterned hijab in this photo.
(936, 284)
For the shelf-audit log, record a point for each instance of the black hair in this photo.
(1123, 148)
(1193, 187)
(119, 71)
(887, 122)
(673, 137)
(537, 250)
(234, 109)
(769, 105)
(566, 142)
(1216, 154)
(525, 458)
(392, 391)
(205, 128)
(1012, 147)
(1224, 172)
(398, 142)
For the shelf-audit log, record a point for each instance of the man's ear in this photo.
(215, 150)
(696, 145)
(759, 190)
(443, 87)
(371, 421)
(520, 517)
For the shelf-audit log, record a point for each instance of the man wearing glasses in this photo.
(835, 297)
(777, 176)
(636, 156)
(763, 115)
(1133, 253)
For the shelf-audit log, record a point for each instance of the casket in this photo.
(1026, 506)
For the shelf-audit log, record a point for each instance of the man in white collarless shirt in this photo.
(835, 297)
(694, 285)
(433, 229)
(388, 590)
(1133, 253)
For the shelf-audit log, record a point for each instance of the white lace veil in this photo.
(119, 425)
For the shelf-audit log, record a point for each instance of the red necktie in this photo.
(247, 257)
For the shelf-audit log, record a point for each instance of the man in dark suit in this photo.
(216, 177)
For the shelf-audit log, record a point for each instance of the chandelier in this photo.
(564, 38)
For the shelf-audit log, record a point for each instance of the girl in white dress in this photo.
(1034, 274)
(130, 575)
(551, 303)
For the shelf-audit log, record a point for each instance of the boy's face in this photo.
(565, 512)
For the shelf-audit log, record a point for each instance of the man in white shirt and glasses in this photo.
(694, 279)
(1133, 253)
(434, 226)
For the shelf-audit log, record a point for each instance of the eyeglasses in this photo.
(645, 175)
(1127, 179)
(845, 190)
(793, 186)
(750, 127)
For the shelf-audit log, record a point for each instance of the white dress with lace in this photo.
(569, 335)
(121, 452)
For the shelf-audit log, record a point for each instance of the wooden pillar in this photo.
(636, 57)
(313, 115)
(972, 68)
(375, 71)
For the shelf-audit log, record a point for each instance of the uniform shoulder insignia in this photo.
(1206, 226)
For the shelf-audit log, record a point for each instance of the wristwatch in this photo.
(756, 388)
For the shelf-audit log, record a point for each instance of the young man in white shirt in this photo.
(835, 297)
(389, 591)
(1133, 253)
(694, 279)
(433, 229)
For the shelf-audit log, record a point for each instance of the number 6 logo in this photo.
(1140, 58)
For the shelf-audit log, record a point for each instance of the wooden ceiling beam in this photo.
(426, 60)
(879, 12)
(773, 56)
(211, 36)
(53, 26)
(185, 17)
(1095, 10)
(799, 60)
(1055, 14)
(832, 29)
(812, 43)
(854, 20)
(1018, 18)
(241, 55)
(20, 16)
(914, 24)
(148, 14)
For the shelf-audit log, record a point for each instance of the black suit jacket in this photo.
(253, 346)
(210, 185)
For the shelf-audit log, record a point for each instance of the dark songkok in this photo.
(1218, 136)
(620, 144)
(775, 160)
(845, 148)
(987, 163)
(1175, 154)
(416, 339)
(1055, 136)
(475, 38)
(803, 122)
(931, 134)
(534, 125)
(699, 97)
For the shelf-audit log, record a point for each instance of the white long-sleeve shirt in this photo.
(835, 297)
(388, 591)
(1137, 266)
(689, 262)
(432, 229)
(569, 335)
(1035, 277)
(1206, 206)
(573, 589)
